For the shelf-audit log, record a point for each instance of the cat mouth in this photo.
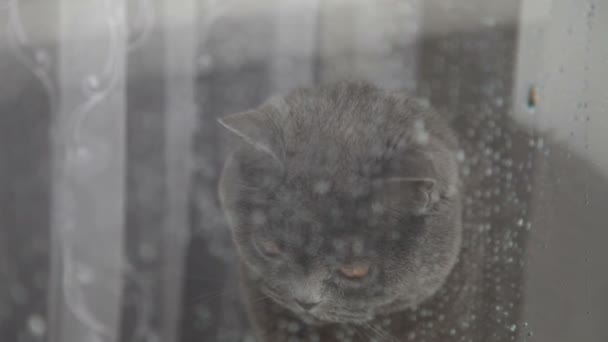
(318, 317)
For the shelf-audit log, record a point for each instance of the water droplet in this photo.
(322, 187)
(460, 156)
(421, 134)
(258, 218)
(293, 327)
(37, 325)
(488, 21)
(84, 274)
(540, 143)
(147, 251)
(249, 338)
(42, 58)
(92, 83)
(205, 62)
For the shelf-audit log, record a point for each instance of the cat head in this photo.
(343, 201)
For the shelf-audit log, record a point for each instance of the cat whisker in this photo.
(206, 279)
(381, 333)
(375, 333)
(261, 298)
(213, 294)
(397, 214)
(366, 333)
(361, 332)
(244, 186)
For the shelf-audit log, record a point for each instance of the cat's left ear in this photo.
(254, 127)
(416, 195)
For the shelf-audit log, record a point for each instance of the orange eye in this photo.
(269, 247)
(355, 271)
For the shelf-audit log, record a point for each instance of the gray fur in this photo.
(335, 174)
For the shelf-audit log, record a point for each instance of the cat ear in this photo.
(254, 127)
(415, 195)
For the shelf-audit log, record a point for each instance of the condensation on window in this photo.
(111, 156)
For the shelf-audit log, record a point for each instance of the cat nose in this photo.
(306, 305)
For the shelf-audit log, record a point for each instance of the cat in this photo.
(345, 203)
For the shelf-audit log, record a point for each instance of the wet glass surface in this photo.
(111, 228)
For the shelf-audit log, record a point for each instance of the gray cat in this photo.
(345, 204)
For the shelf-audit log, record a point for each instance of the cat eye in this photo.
(355, 270)
(269, 248)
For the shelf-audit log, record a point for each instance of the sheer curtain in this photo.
(118, 100)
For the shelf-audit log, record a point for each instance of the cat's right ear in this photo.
(255, 128)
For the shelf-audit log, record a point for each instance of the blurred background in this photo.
(110, 152)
